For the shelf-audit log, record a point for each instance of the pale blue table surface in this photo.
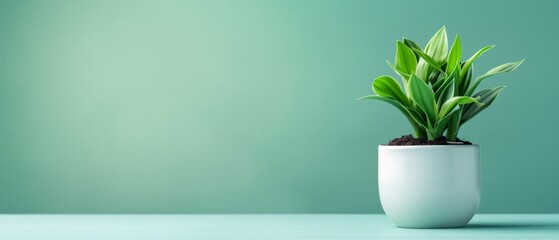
(267, 226)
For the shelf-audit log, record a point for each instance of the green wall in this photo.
(249, 106)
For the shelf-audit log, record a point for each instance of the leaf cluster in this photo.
(438, 94)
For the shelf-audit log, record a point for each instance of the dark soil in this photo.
(408, 140)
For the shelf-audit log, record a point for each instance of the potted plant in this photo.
(433, 181)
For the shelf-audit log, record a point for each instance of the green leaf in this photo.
(445, 92)
(444, 88)
(453, 125)
(435, 77)
(465, 83)
(486, 97)
(419, 130)
(442, 124)
(418, 117)
(403, 75)
(457, 81)
(437, 47)
(391, 101)
(386, 86)
(471, 60)
(454, 56)
(507, 67)
(428, 59)
(424, 97)
(451, 103)
(405, 59)
(425, 66)
(412, 45)
(440, 79)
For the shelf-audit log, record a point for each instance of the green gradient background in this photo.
(249, 106)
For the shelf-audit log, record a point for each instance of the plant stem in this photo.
(454, 125)
(419, 132)
(431, 136)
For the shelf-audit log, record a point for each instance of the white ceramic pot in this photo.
(430, 186)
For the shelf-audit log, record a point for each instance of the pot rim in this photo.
(428, 146)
